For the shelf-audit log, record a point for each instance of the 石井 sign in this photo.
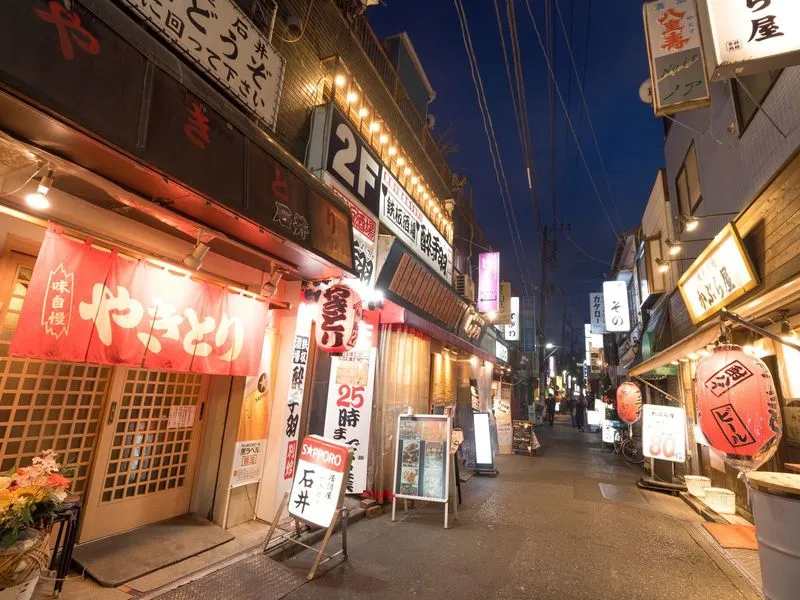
(218, 37)
(750, 36)
(677, 68)
(617, 311)
(720, 275)
(318, 486)
(597, 312)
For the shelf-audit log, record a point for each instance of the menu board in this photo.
(422, 467)
(522, 437)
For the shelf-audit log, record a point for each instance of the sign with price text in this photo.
(318, 487)
(664, 432)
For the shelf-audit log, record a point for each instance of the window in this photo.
(687, 183)
(758, 85)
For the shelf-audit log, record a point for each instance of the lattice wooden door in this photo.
(44, 404)
(147, 451)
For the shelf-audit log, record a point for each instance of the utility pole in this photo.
(543, 314)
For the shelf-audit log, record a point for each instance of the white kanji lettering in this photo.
(225, 325)
(126, 312)
(56, 319)
(61, 286)
(193, 342)
(58, 302)
(163, 318)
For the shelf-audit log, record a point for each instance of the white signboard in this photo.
(511, 331)
(220, 39)
(248, 461)
(677, 69)
(405, 219)
(483, 439)
(749, 36)
(615, 303)
(349, 409)
(501, 351)
(181, 417)
(720, 275)
(317, 490)
(598, 313)
(608, 431)
(664, 432)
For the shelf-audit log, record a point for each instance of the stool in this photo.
(66, 518)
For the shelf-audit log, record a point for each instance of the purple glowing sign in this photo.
(489, 282)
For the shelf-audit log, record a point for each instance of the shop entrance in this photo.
(147, 451)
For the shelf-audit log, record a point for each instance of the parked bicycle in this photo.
(629, 445)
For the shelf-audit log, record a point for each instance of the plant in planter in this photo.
(29, 498)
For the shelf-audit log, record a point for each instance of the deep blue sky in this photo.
(630, 137)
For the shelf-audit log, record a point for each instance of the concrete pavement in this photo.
(568, 523)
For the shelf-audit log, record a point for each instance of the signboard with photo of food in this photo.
(422, 467)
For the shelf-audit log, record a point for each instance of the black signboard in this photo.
(351, 161)
(116, 84)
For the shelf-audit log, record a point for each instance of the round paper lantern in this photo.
(629, 402)
(737, 407)
(339, 315)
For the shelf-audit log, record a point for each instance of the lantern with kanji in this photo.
(629, 402)
(737, 407)
(337, 322)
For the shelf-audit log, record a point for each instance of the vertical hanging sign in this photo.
(597, 313)
(617, 311)
(489, 282)
(677, 68)
(294, 401)
(512, 329)
(348, 412)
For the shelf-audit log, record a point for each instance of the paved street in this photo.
(567, 523)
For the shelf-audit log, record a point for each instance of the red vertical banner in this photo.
(90, 305)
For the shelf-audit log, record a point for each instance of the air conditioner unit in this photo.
(465, 287)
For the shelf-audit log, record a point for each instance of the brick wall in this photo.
(327, 33)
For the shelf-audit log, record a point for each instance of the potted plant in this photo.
(29, 498)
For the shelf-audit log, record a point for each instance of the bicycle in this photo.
(630, 446)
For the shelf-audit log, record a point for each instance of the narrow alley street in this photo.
(566, 523)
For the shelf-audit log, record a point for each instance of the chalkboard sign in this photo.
(422, 465)
(523, 437)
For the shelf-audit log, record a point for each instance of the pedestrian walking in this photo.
(571, 409)
(551, 409)
(580, 411)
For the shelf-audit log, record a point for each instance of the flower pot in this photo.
(21, 563)
(21, 591)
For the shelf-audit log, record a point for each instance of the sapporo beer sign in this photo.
(219, 38)
(318, 483)
(86, 304)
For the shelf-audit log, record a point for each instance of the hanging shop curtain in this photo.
(402, 382)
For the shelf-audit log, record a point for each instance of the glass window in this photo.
(758, 85)
(687, 183)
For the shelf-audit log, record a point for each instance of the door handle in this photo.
(112, 412)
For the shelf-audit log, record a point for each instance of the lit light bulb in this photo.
(374, 126)
(37, 201)
(426, 195)
(401, 161)
(351, 97)
(663, 267)
(420, 188)
(675, 249)
(392, 150)
(383, 138)
(407, 171)
(340, 80)
(414, 180)
(692, 356)
(692, 224)
(363, 112)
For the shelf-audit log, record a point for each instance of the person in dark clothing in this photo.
(551, 409)
(580, 411)
(571, 409)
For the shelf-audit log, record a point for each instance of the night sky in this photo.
(630, 137)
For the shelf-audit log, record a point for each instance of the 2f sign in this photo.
(615, 303)
(351, 162)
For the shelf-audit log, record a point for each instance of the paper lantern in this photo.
(629, 402)
(339, 315)
(737, 407)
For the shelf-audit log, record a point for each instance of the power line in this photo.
(569, 121)
(588, 115)
(493, 146)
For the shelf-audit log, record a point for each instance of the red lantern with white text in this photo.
(340, 313)
(629, 402)
(737, 407)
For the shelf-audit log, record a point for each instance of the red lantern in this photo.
(629, 402)
(339, 315)
(737, 407)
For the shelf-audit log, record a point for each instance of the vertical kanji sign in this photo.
(87, 304)
(677, 67)
(220, 39)
(318, 486)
